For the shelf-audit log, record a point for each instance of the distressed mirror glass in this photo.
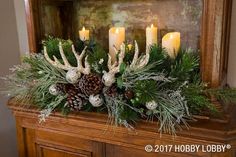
(66, 18)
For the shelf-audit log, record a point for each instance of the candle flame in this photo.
(171, 36)
(152, 26)
(83, 29)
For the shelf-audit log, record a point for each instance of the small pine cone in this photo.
(112, 91)
(129, 94)
(74, 99)
(91, 84)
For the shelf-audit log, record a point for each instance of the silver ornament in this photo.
(72, 75)
(54, 90)
(108, 79)
(96, 100)
(151, 105)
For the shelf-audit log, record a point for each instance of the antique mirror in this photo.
(203, 24)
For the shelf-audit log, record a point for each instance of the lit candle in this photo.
(116, 38)
(151, 36)
(171, 42)
(84, 34)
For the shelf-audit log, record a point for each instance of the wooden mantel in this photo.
(88, 134)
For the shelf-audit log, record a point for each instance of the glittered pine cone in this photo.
(74, 98)
(91, 84)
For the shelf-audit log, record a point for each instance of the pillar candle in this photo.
(84, 34)
(171, 42)
(116, 38)
(151, 36)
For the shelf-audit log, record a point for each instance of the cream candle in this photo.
(84, 34)
(151, 36)
(116, 38)
(171, 42)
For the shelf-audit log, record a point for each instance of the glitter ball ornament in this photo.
(54, 89)
(108, 79)
(96, 100)
(151, 105)
(72, 76)
(91, 84)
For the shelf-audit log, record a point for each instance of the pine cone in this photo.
(90, 84)
(61, 87)
(112, 91)
(129, 94)
(74, 99)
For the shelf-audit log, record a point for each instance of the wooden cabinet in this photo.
(89, 135)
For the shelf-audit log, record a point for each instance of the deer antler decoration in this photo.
(109, 77)
(73, 73)
(139, 62)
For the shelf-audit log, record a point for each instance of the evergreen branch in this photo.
(227, 95)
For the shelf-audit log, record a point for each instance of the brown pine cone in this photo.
(74, 99)
(129, 94)
(61, 87)
(91, 84)
(112, 91)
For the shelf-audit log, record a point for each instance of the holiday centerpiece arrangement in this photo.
(162, 85)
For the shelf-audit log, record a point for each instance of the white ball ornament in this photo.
(108, 79)
(72, 76)
(54, 90)
(96, 100)
(151, 105)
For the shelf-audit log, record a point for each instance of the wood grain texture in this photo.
(31, 26)
(88, 133)
(215, 40)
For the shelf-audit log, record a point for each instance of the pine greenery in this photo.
(174, 84)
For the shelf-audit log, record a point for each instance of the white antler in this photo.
(56, 62)
(79, 58)
(139, 62)
(109, 77)
(73, 72)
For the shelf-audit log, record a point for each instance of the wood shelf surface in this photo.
(200, 130)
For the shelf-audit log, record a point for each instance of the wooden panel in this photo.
(215, 40)
(54, 151)
(50, 142)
